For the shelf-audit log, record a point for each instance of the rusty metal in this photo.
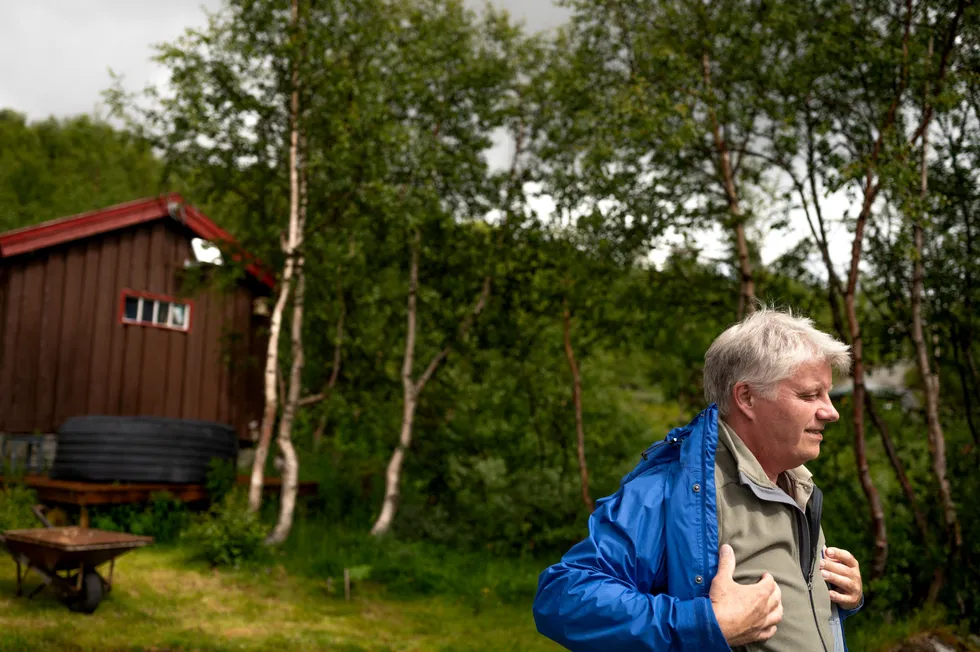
(64, 556)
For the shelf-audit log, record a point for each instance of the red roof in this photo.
(172, 205)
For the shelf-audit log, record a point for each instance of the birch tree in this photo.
(467, 86)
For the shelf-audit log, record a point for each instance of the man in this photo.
(714, 541)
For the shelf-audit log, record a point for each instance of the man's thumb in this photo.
(726, 562)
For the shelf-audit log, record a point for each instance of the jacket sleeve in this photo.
(607, 591)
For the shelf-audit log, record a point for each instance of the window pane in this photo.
(147, 314)
(163, 307)
(132, 309)
(178, 315)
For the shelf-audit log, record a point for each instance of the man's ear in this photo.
(744, 400)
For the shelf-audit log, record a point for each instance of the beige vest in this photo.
(762, 523)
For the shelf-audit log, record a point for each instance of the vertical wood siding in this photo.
(64, 352)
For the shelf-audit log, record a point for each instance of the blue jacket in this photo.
(640, 580)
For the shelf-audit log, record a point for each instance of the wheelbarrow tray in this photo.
(69, 548)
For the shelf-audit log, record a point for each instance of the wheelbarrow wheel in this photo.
(88, 599)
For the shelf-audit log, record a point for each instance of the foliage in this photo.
(58, 167)
(409, 569)
(228, 534)
(164, 518)
(220, 480)
(16, 502)
(409, 106)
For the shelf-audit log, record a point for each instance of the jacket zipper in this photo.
(805, 545)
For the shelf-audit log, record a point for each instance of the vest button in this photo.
(698, 579)
(696, 487)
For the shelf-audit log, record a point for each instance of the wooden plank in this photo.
(73, 492)
(177, 354)
(227, 348)
(23, 408)
(133, 358)
(105, 316)
(240, 362)
(66, 401)
(13, 294)
(49, 363)
(257, 344)
(211, 369)
(117, 354)
(194, 360)
(156, 341)
(85, 329)
(4, 279)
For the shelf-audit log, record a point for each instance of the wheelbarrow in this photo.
(66, 558)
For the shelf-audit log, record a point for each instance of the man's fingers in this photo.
(837, 567)
(767, 634)
(842, 582)
(726, 562)
(843, 556)
(843, 600)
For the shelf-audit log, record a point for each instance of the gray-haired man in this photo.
(714, 540)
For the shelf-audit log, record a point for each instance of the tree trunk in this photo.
(880, 555)
(338, 348)
(903, 479)
(965, 386)
(409, 395)
(583, 468)
(275, 326)
(746, 297)
(411, 389)
(271, 397)
(930, 380)
(290, 471)
(834, 292)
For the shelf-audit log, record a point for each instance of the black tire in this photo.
(93, 590)
(140, 449)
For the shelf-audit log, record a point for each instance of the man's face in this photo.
(793, 422)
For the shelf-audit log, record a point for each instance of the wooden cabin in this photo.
(94, 320)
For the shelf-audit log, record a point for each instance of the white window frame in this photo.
(141, 301)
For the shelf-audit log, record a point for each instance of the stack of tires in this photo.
(141, 449)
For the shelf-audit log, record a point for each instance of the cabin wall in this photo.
(65, 352)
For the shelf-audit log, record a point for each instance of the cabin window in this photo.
(155, 310)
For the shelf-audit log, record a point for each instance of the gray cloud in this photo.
(56, 54)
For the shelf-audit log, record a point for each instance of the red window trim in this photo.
(139, 294)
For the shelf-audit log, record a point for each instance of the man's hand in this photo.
(840, 568)
(745, 613)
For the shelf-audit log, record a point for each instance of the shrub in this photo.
(221, 478)
(229, 535)
(164, 518)
(16, 501)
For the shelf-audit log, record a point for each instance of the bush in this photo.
(164, 518)
(16, 501)
(221, 478)
(229, 535)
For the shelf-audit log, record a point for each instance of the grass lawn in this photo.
(163, 600)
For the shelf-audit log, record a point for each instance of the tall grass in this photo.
(409, 569)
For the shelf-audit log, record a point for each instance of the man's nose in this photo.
(828, 412)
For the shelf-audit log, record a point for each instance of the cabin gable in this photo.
(68, 348)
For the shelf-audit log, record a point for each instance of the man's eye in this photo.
(808, 397)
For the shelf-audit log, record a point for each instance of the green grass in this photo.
(165, 600)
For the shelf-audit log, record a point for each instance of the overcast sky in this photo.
(55, 57)
(55, 54)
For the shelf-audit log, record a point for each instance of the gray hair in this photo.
(763, 349)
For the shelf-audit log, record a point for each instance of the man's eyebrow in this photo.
(813, 388)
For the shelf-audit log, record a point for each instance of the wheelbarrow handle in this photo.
(39, 512)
